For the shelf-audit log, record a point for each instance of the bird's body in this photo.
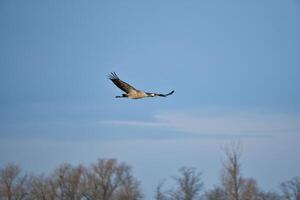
(137, 94)
(131, 92)
(134, 94)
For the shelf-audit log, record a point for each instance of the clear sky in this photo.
(234, 66)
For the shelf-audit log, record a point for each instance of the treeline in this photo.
(107, 179)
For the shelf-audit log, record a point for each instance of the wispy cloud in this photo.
(135, 123)
(228, 123)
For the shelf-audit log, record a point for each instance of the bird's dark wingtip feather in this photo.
(113, 76)
(171, 92)
(166, 95)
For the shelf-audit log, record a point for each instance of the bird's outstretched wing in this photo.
(165, 95)
(119, 83)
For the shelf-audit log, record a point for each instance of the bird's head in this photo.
(151, 94)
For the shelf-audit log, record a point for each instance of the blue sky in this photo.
(234, 67)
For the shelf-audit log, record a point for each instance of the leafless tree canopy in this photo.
(217, 193)
(231, 177)
(188, 185)
(104, 180)
(107, 179)
(12, 183)
(42, 188)
(291, 189)
(233, 185)
(159, 194)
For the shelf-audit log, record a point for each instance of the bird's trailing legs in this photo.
(123, 96)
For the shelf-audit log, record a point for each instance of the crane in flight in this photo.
(131, 92)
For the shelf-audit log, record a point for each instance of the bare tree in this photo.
(129, 188)
(67, 180)
(12, 183)
(102, 179)
(109, 180)
(158, 193)
(42, 188)
(235, 185)
(291, 189)
(231, 176)
(188, 184)
(217, 193)
(249, 189)
(269, 196)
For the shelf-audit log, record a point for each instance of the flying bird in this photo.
(131, 92)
